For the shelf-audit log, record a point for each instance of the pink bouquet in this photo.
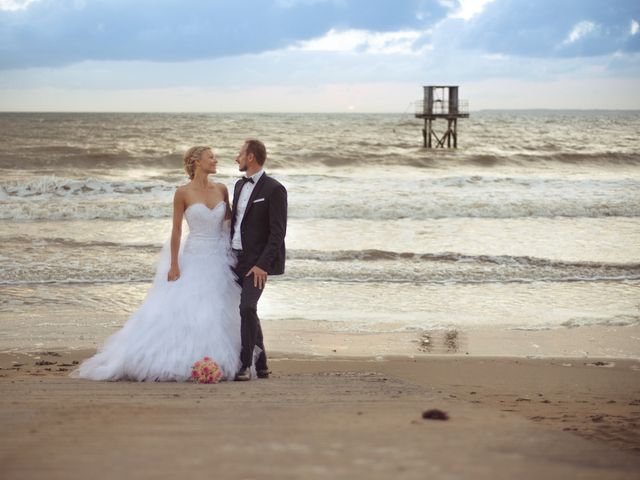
(206, 371)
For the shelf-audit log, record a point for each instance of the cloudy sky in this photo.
(316, 55)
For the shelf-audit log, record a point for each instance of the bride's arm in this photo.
(226, 224)
(226, 200)
(176, 234)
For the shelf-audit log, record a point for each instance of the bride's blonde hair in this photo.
(193, 154)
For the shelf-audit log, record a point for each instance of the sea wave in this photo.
(341, 278)
(54, 186)
(449, 268)
(540, 157)
(576, 322)
(115, 209)
(63, 261)
(123, 210)
(87, 141)
(63, 243)
(380, 154)
(86, 158)
(340, 256)
(439, 203)
(373, 255)
(615, 321)
(47, 197)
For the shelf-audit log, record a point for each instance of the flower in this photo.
(206, 371)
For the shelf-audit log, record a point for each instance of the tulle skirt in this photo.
(179, 322)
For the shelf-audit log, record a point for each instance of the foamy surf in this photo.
(536, 228)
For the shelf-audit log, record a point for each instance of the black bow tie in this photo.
(246, 179)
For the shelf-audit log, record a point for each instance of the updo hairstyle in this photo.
(191, 157)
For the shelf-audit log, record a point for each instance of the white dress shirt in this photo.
(243, 201)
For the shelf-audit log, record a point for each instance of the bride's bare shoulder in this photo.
(181, 191)
(220, 186)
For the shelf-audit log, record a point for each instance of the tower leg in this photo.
(455, 133)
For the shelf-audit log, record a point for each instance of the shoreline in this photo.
(321, 339)
(328, 339)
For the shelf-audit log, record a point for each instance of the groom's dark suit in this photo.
(262, 230)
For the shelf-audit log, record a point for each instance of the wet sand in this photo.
(327, 417)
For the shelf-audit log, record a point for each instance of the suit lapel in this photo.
(236, 196)
(254, 194)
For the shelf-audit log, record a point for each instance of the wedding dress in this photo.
(181, 321)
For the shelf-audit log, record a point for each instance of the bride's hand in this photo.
(174, 274)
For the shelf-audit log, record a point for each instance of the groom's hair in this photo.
(258, 149)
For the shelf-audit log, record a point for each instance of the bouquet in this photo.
(206, 371)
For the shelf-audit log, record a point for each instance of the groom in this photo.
(258, 227)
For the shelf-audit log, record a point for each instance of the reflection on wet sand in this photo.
(442, 341)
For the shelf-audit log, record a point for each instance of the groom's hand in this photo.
(259, 277)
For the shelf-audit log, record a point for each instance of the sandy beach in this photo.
(327, 417)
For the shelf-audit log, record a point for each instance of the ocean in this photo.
(533, 223)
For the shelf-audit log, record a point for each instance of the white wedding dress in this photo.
(181, 321)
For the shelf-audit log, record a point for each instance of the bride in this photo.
(191, 311)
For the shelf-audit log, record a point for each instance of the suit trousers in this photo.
(250, 329)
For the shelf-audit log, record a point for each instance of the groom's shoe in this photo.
(243, 375)
(263, 373)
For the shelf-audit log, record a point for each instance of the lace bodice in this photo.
(207, 231)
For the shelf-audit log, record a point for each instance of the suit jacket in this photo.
(264, 224)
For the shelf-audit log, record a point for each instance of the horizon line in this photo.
(260, 112)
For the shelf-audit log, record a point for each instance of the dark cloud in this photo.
(542, 28)
(59, 32)
(62, 32)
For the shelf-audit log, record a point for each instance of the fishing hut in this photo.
(441, 101)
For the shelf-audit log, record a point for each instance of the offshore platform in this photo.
(441, 101)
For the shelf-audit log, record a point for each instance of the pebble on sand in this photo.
(435, 414)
